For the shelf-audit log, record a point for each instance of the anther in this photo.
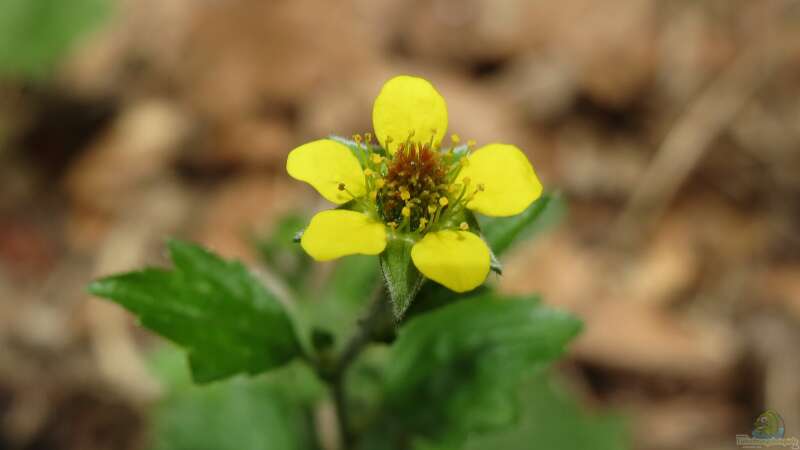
(443, 201)
(463, 226)
(455, 139)
(368, 137)
(357, 138)
(376, 158)
(406, 211)
(368, 172)
(341, 186)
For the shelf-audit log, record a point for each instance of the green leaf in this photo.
(552, 419)
(35, 34)
(464, 362)
(403, 280)
(220, 313)
(271, 412)
(503, 232)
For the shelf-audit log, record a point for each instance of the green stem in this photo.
(367, 327)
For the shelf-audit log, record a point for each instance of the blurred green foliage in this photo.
(36, 34)
(268, 412)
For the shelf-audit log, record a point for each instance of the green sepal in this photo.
(362, 150)
(403, 280)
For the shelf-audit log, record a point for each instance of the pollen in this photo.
(377, 159)
(414, 180)
(443, 201)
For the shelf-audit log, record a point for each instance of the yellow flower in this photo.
(415, 190)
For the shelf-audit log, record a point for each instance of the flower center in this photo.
(415, 187)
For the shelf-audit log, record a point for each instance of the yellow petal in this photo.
(459, 260)
(325, 164)
(507, 178)
(336, 233)
(405, 105)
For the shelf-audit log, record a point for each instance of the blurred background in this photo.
(670, 129)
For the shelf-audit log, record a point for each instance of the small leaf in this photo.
(502, 232)
(223, 316)
(403, 280)
(464, 362)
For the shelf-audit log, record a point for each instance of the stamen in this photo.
(444, 201)
(377, 159)
(463, 226)
(455, 139)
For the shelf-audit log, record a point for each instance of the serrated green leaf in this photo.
(35, 34)
(464, 362)
(263, 413)
(403, 280)
(215, 309)
(502, 232)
